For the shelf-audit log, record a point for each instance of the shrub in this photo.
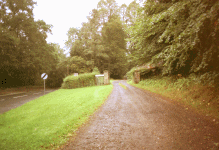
(129, 74)
(55, 78)
(83, 80)
(96, 70)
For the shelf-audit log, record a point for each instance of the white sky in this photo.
(63, 14)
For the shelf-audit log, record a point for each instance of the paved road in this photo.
(136, 119)
(8, 102)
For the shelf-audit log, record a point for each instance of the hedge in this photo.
(83, 80)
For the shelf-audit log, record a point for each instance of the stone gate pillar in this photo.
(106, 77)
(136, 77)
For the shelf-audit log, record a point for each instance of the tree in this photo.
(183, 35)
(24, 52)
(132, 12)
(130, 15)
(107, 8)
(57, 71)
(115, 46)
(87, 44)
(91, 46)
(72, 37)
(123, 10)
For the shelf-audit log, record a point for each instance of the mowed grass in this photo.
(49, 121)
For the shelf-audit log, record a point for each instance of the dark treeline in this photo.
(24, 52)
(182, 36)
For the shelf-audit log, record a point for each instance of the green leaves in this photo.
(24, 51)
(99, 42)
(114, 42)
(83, 80)
(181, 34)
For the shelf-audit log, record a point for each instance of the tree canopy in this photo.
(180, 35)
(99, 42)
(24, 52)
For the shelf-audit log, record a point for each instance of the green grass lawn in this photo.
(49, 121)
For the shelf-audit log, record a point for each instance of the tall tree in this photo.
(92, 46)
(115, 46)
(72, 37)
(57, 71)
(123, 10)
(181, 34)
(23, 47)
(107, 8)
(132, 12)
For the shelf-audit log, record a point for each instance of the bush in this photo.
(83, 80)
(55, 78)
(96, 70)
(129, 74)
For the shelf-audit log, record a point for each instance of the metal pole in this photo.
(44, 86)
(67, 70)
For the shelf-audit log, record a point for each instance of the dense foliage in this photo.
(183, 36)
(179, 36)
(115, 46)
(82, 80)
(24, 52)
(100, 41)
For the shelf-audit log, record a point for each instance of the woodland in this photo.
(178, 36)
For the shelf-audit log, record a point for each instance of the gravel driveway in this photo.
(132, 118)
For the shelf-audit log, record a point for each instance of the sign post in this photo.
(44, 76)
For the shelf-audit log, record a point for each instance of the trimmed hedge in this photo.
(83, 80)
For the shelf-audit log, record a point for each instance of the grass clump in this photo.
(123, 86)
(50, 120)
(189, 91)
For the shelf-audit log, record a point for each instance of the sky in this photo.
(63, 14)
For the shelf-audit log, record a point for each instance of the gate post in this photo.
(106, 77)
(136, 77)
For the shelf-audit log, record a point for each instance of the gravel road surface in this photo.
(132, 119)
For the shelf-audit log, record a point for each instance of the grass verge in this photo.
(50, 120)
(186, 91)
(123, 86)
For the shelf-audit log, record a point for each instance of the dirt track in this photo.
(135, 119)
